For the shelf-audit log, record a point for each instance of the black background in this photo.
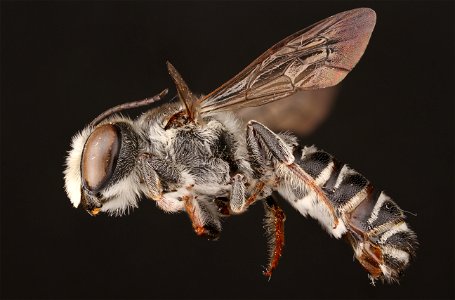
(63, 63)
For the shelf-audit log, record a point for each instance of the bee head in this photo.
(100, 167)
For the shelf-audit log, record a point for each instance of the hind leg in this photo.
(272, 151)
(274, 230)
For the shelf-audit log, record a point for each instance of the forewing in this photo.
(316, 57)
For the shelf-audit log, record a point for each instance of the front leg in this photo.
(152, 182)
(153, 187)
(202, 213)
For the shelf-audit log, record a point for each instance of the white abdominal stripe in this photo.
(358, 207)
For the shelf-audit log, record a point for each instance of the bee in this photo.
(194, 155)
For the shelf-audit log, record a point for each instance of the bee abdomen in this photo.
(345, 188)
(351, 194)
(372, 219)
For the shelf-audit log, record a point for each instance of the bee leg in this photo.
(274, 230)
(164, 169)
(154, 189)
(237, 201)
(153, 186)
(260, 140)
(260, 160)
(223, 206)
(289, 171)
(258, 189)
(264, 143)
(203, 216)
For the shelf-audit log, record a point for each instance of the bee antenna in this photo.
(411, 213)
(128, 105)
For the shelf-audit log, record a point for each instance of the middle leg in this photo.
(203, 215)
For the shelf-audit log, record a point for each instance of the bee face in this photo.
(101, 167)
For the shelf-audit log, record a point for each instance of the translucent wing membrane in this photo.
(316, 57)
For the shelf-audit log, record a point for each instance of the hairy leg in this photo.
(203, 214)
(272, 145)
(274, 229)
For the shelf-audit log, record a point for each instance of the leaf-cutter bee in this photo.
(195, 156)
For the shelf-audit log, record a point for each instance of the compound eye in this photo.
(100, 156)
